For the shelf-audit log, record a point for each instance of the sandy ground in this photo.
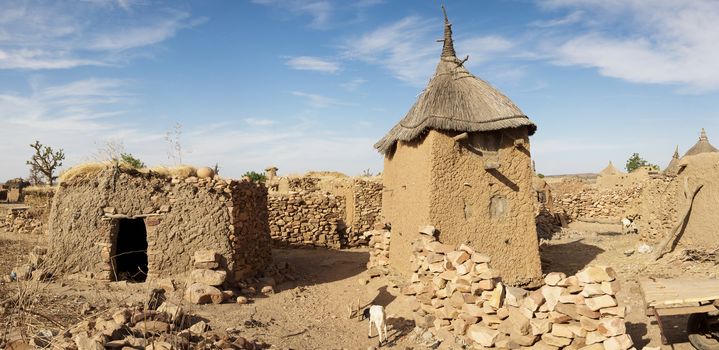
(311, 313)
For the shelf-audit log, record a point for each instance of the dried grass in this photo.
(86, 171)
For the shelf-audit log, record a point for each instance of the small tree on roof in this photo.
(46, 161)
(635, 162)
(130, 160)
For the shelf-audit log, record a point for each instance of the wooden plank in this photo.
(685, 310)
(661, 293)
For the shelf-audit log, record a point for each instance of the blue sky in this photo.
(311, 85)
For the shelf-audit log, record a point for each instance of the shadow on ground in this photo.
(318, 266)
(569, 257)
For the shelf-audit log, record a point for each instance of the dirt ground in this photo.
(311, 313)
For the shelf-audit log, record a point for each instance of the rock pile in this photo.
(138, 327)
(22, 220)
(206, 279)
(379, 240)
(300, 219)
(594, 203)
(462, 300)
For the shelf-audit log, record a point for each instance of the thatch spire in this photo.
(455, 100)
(702, 146)
(448, 47)
(610, 170)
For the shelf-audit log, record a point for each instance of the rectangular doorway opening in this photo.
(131, 250)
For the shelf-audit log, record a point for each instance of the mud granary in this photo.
(119, 223)
(460, 160)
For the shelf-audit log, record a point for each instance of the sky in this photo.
(313, 84)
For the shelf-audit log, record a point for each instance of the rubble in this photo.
(463, 301)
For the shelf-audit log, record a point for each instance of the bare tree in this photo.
(174, 153)
(46, 161)
(35, 178)
(110, 151)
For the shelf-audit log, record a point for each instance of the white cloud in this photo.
(659, 42)
(319, 10)
(47, 35)
(408, 48)
(313, 64)
(318, 101)
(259, 122)
(353, 84)
(571, 18)
(80, 116)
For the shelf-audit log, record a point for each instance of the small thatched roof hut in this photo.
(460, 160)
(673, 165)
(610, 170)
(455, 100)
(702, 146)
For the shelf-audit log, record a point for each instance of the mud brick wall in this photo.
(306, 219)
(463, 302)
(657, 210)
(181, 216)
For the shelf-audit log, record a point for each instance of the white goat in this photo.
(376, 315)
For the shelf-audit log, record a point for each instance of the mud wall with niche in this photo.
(181, 217)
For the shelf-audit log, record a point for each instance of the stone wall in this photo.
(323, 212)
(462, 301)
(306, 219)
(591, 202)
(364, 207)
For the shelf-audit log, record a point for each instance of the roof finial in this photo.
(448, 48)
(703, 136)
(676, 152)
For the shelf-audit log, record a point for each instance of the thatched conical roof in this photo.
(673, 165)
(610, 170)
(702, 146)
(455, 100)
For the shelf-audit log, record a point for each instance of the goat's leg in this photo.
(369, 335)
(379, 332)
(385, 330)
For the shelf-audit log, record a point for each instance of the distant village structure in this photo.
(460, 160)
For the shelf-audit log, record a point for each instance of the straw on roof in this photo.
(455, 100)
(610, 170)
(702, 146)
(86, 171)
(673, 165)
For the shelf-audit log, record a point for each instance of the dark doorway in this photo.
(131, 250)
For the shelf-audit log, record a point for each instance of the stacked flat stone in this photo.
(379, 248)
(206, 279)
(306, 219)
(595, 203)
(366, 207)
(463, 302)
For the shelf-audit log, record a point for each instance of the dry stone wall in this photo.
(334, 213)
(463, 302)
(306, 219)
(591, 202)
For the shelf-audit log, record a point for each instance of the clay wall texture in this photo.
(701, 229)
(181, 216)
(406, 196)
(442, 183)
(656, 209)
